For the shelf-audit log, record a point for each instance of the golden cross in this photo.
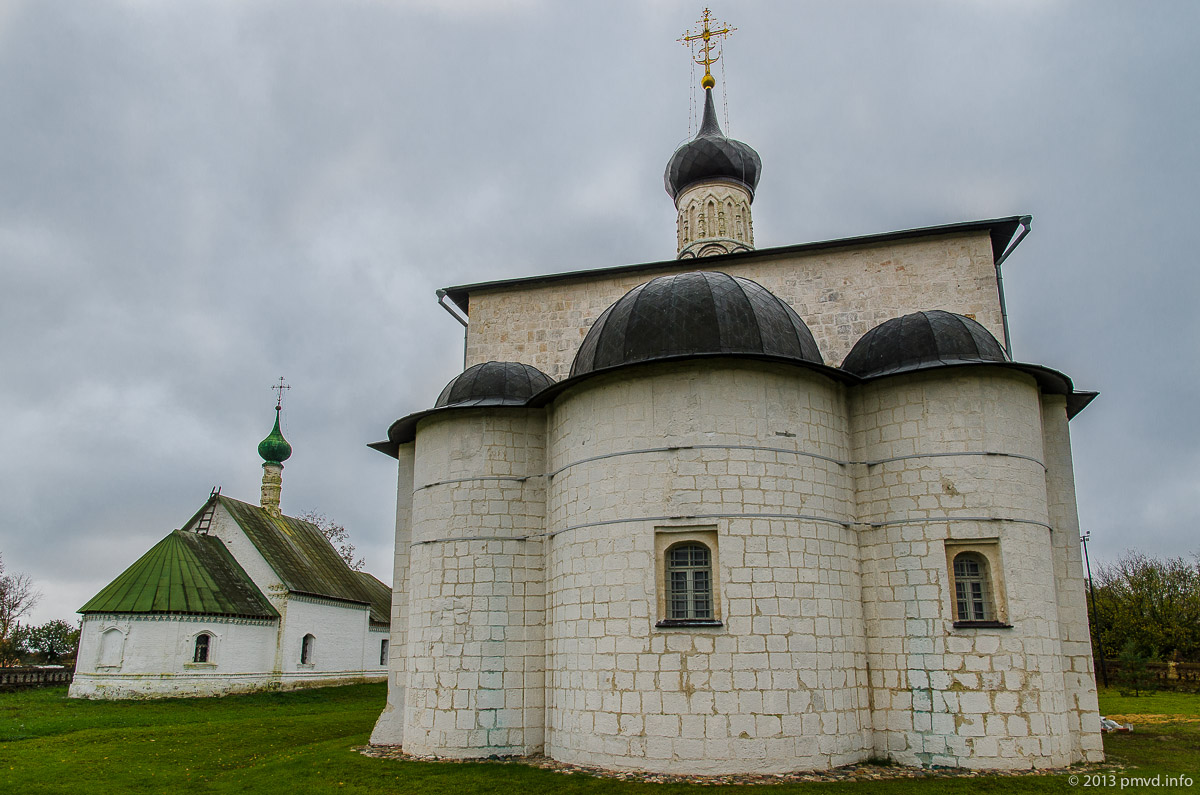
(706, 35)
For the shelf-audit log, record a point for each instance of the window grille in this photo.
(972, 590)
(689, 582)
(200, 655)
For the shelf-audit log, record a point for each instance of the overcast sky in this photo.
(199, 197)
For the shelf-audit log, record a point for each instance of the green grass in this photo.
(301, 742)
(1166, 732)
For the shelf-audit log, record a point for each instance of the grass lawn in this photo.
(300, 743)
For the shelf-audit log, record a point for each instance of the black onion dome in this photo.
(921, 340)
(694, 314)
(494, 384)
(712, 156)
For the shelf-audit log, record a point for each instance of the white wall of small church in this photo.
(841, 293)
(476, 652)
(960, 459)
(340, 633)
(156, 656)
(742, 448)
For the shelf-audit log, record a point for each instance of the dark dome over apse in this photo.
(920, 340)
(712, 156)
(691, 314)
(494, 384)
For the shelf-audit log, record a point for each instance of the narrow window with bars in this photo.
(972, 588)
(200, 653)
(689, 582)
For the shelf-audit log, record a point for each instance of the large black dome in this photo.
(921, 340)
(494, 384)
(695, 314)
(712, 156)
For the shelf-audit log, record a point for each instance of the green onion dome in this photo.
(275, 449)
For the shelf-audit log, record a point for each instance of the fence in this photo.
(20, 678)
(1181, 676)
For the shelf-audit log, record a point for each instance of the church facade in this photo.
(795, 509)
(242, 598)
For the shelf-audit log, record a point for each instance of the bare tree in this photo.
(338, 536)
(17, 597)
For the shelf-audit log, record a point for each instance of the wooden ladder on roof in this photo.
(205, 522)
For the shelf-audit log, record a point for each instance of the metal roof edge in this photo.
(1001, 230)
(329, 598)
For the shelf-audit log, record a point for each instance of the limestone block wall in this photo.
(475, 645)
(746, 452)
(840, 292)
(956, 461)
(1082, 708)
(389, 729)
(151, 655)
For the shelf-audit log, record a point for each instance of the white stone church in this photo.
(241, 598)
(745, 510)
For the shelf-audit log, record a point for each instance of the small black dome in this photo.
(920, 340)
(712, 156)
(494, 384)
(694, 314)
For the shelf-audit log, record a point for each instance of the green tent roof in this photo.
(184, 573)
(305, 560)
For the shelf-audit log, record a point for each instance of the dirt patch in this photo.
(1153, 720)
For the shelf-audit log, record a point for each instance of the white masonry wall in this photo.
(841, 292)
(476, 651)
(340, 649)
(970, 697)
(151, 655)
(389, 729)
(742, 448)
(1083, 710)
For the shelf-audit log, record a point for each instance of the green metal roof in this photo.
(305, 560)
(381, 598)
(184, 573)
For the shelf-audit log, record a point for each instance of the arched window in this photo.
(972, 588)
(306, 649)
(203, 648)
(689, 582)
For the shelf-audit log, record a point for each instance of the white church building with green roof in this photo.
(241, 598)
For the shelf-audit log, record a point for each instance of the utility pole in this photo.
(1083, 539)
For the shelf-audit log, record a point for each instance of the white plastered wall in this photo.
(156, 652)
